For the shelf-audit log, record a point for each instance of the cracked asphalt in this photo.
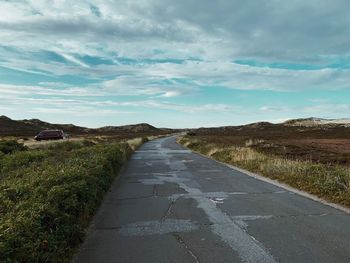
(172, 205)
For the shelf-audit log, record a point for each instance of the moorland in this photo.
(309, 154)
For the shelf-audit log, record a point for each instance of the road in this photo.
(172, 205)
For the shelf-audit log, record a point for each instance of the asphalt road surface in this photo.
(172, 205)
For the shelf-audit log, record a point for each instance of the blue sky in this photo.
(174, 63)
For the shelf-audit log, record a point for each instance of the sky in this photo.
(184, 63)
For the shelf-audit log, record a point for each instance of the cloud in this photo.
(192, 75)
(171, 55)
(214, 33)
(74, 60)
(169, 94)
(266, 30)
(328, 109)
(325, 109)
(78, 102)
(79, 111)
(273, 109)
(21, 90)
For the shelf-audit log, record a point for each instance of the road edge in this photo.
(275, 182)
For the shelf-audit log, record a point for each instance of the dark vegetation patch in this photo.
(48, 196)
(327, 144)
(10, 146)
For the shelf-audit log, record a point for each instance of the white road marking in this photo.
(231, 232)
(248, 248)
(166, 226)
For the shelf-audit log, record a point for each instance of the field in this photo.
(313, 159)
(327, 144)
(49, 192)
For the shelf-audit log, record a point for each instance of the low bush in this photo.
(48, 196)
(10, 146)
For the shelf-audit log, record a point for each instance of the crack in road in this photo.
(155, 194)
(168, 212)
(216, 220)
(189, 251)
(232, 233)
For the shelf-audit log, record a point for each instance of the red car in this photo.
(50, 135)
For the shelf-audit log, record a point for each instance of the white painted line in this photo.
(251, 217)
(163, 151)
(248, 248)
(146, 228)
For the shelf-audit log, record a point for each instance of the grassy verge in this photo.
(48, 196)
(331, 182)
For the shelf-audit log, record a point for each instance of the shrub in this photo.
(48, 196)
(17, 160)
(10, 146)
(69, 145)
(191, 133)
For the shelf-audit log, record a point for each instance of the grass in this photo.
(328, 181)
(322, 144)
(10, 146)
(49, 195)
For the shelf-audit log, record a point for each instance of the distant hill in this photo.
(296, 128)
(230, 129)
(31, 127)
(136, 128)
(309, 122)
(302, 122)
(9, 127)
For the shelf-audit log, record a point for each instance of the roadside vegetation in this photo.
(330, 181)
(49, 194)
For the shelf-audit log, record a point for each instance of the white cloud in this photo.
(273, 108)
(18, 90)
(215, 30)
(328, 110)
(217, 33)
(74, 60)
(77, 102)
(169, 94)
(159, 51)
(228, 75)
(79, 111)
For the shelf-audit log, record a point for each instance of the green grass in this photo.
(10, 146)
(331, 182)
(48, 196)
